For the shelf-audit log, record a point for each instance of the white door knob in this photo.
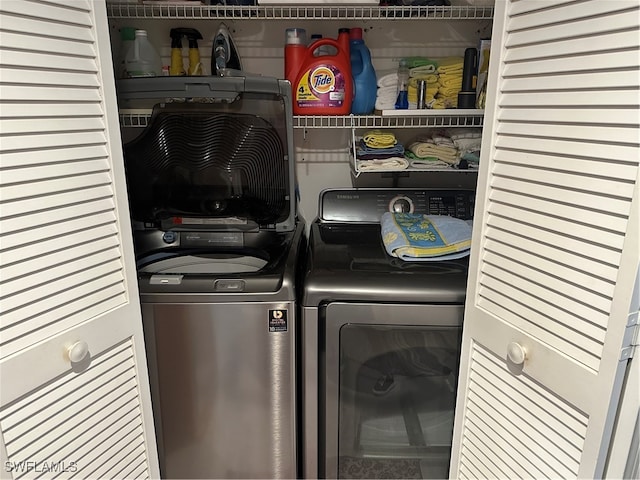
(78, 351)
(516, 353)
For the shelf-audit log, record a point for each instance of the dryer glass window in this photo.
(397, 398)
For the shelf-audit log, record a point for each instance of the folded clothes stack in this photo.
(434, 148)
(449, 82)
(468, 142)
(380, 150)
(387, 90)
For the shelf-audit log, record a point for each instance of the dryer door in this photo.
(389, 388)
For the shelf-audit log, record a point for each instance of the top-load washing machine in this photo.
(212, 197)
(381, 340)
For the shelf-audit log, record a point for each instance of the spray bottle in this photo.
(193, 35)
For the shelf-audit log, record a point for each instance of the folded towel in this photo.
(366, 152)
(451, 81)
(450, 65)
(419, 237)
(386, 97)
(386, 164)
(422, 70)
(379, 139)
(431, 80)
(444, 102)
(414, 62)
(451, 91)
(428, 149)
(388, 79)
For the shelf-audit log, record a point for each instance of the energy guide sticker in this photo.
(278, 320)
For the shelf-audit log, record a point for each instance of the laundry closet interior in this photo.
(322, 143)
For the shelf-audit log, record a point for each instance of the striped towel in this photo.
(419, 237)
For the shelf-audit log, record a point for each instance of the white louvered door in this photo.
(556, 243)
(75, 398)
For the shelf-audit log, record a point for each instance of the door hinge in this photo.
(633, 323)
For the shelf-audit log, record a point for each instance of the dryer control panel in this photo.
(364, 205)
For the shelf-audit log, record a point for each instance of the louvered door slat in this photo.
(11, 58)
(617, 171)
(555, 252)
(572, 312)
(25, 158)
(555, 116)
(548, 26)
(557, 249)
(557, 100)
(58, 200)
(605, 237)
(597, 299)
(19, 23)
(105, 237)
(52, 172)
(69, 79)
(53, 46)
(68, 12)
(537, 416)
(60, 214)
(116, 424)
(561, 207)
(596, 81)
(487, 466)
(107, 265)
(45, 141)
(572, 46)
(44, 125)
(612, 152)
(116, 457)
(588, 63)
(50, 109)
(58, 230)
(556, 129)
(58, 303)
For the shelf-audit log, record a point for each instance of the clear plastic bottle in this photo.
(402, 101)
(142, 60)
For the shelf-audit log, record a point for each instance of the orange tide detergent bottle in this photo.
(321, 85)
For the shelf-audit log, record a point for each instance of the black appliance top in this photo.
(347, 260)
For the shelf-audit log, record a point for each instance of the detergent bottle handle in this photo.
(326, 41)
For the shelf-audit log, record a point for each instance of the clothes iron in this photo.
(224, 55)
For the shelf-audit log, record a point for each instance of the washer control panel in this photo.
(367, 205)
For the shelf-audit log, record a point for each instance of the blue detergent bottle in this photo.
(364, 75)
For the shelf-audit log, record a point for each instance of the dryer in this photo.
(212, 196)
(381, 340)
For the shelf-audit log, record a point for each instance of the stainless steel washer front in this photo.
(224, 387)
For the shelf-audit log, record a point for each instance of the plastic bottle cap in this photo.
(355, 33)
(141, 33)
(296, 36)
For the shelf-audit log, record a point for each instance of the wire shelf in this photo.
(167, 10)
(445, 119)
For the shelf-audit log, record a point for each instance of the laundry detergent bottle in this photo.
(323, 84)
(364, 75)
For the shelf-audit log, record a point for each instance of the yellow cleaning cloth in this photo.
(450, 65)
(451, 81)
(379, 139)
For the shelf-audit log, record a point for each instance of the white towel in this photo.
(386, 98)
(383, 164)
(388, 79)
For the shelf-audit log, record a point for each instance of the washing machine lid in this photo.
(216, 153)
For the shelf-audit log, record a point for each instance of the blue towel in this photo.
(418, 237)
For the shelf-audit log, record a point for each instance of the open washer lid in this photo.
(216, 153)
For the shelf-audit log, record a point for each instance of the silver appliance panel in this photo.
(223, 385)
